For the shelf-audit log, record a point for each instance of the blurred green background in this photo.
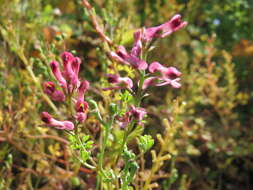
(214, 144)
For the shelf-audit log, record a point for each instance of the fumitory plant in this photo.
(108, 155)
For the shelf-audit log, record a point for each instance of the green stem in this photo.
(69, 96)
(139, 92)
(126, 134)
(104, 142)
(36, 81)
(84, 149)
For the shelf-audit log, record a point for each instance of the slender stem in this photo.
(70, 107)
(104, 142)
(90, 158)
(94, 21)
(142, 166)
(36, 81)
(124, 141)
(139, 92)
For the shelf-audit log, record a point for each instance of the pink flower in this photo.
(136, 50)
(50, 121)
(76, 62)
(81, 105)
(58, 75)
(81, 117)
(81, 108)
(122, 56)
(167, 72)
(66, 57)
(56, 95)
(119, 82)
(84, 86)
(137, 113)
(48, 87)
(168, 76)
(151, 81)
(134, 113)
(71, 69)
(163, 30)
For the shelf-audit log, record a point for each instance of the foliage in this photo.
(195, 137)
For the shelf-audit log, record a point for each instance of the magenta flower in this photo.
(76, 62)
(119, 82)
(81, 117)
(167, 76)
(67, 58)
(81, 108)
(134, 113)
(136, 50)
(137, 113)
(50, 121)
(48, 87)
(163, 30)
(58, 75)
(50, 90)
(84, 86)
(151, 81)
(68, 80)
(122, 56)
(71, 68)
(58, 96)
(166, 72)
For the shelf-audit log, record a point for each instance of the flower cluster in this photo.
(71, 86)
(160, 75)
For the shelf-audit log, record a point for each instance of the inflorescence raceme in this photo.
(154, 74)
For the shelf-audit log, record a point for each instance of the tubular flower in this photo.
(76, 62)
(58, 75)
(56, 95)
(81, 108)
(122, 56)
(67, 58)
(68, 80)
(69, 61)
(134, 113)
(151, 81)
(168, 76)
(166, 72)
(50, 121)
(84, 86)
(48, 87)
(163, 30)
(136, 50)
(137, 113)
(119, 82)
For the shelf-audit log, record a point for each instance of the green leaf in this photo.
(145, 143)
(135, 133)
(174, 176)
(85, 138)
(84, 155)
